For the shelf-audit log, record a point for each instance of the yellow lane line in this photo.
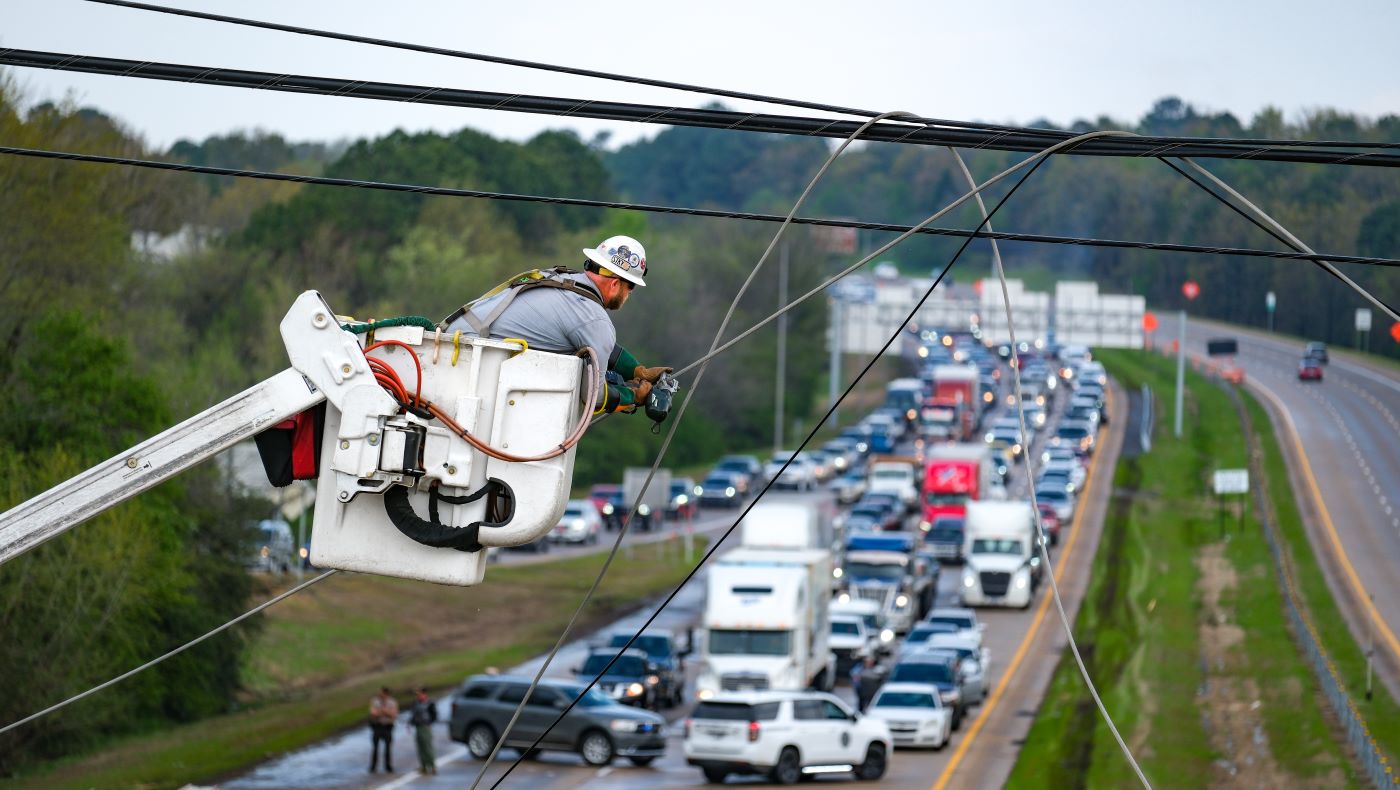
(1357, 587)
(985, 711)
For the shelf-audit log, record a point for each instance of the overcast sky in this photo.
(995, 61)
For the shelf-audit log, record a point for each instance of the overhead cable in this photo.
(1040, 539)
(714, 547)
(1278, 233)
(177, 651)
(1046, 134)
(1294, 241)
(890, 227)
(661, 453)
(1130, 146)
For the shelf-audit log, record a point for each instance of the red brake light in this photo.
(753, 731)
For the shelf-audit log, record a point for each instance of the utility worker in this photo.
(565, 311)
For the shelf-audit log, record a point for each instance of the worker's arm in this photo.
(624, 364)
(600, 336)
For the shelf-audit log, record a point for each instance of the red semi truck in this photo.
(955, 406)
(954, 474)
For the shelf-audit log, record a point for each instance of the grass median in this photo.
(323, 653)
(1183, 628)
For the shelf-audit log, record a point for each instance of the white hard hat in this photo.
(623, 256)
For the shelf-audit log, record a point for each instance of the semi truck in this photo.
(955, 474)
(881, 567)
(1002, 566)
(767, 622)
(895, 474)
(906, 395)
(955, 406)
(788, 523)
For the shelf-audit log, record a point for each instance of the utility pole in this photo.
(782, 350)
(835, 364)
(1180, 370)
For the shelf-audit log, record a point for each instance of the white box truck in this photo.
(1002, 565)
(788, 523)
(767, 622)
(652, 510)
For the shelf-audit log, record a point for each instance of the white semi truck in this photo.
(767, 622)
(1002, 564)
(788, 523)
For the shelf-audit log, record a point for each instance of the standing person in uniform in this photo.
(421, 717)
(867, 677)
(565, 311)
(383, 710)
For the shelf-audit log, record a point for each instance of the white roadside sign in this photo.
(1231, 481)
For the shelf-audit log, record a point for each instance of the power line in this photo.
(890, 227)
(710, 552)
(1130, 146)
(175, 652)
(1045, 134)
(660, 455)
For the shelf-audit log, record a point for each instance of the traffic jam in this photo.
(857, 613)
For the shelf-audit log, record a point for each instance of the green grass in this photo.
(1174, 673)
(315, 669)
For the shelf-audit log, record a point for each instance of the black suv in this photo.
(597, 728)
(631, 680)
(1316, 350)
(668, 664)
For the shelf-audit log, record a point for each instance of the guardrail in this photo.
(1370, 757)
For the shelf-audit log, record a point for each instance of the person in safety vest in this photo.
(565, 311)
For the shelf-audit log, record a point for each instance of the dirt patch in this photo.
(1230, 704)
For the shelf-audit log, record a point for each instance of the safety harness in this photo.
(535, 278)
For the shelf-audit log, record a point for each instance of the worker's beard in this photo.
(618, 298)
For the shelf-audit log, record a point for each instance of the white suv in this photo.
(914, 713)
(786, 735)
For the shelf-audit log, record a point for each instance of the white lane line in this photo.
(452, 756)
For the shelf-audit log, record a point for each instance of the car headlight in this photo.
(729, 491)
(1021, 581)
(925, 526)
(263, 552)
(682, 499)
(704, 694)
(968, 579)
(951, 695)
(843, 598)
(622, 725)
(837, 573)
(990, 438)
(911, 415)
(303, 552)
(643, 510)
(901, 601)
(607, 509)
(652, 680)
(886, 635)
(635, 689)
(1040, 400)
(988, 397)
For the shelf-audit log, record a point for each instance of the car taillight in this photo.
(753, 731)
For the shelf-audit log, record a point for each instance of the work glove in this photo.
(650, 375)
(640, 390)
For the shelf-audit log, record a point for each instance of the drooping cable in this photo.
(665, 446)
(175, 652)
(1294, 241)
(1040, 539)
(1046, 134)
(714, 547)
(421, 189)
(1320, 261)
(673, 116)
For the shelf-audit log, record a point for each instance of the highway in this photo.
(1347, 428)
(1024, 645)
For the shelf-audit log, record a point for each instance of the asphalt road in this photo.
(1347, 428)
(1024, 648)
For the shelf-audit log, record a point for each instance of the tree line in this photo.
(107, 343)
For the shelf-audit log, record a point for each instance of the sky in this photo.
(1007, 62)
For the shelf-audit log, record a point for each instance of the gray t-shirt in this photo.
(550, 319)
